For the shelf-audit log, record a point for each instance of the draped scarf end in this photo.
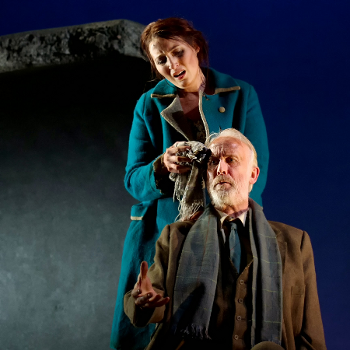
(193, 331)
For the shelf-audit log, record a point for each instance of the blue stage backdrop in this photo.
(297, 56)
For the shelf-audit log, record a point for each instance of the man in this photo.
(231, 279)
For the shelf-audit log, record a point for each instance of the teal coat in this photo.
(154, 129)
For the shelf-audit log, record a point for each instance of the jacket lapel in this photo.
(283, 249)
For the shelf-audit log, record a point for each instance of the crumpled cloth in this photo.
(189, 187)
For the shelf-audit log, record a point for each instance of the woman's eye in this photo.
(179, 53)
(161, 60)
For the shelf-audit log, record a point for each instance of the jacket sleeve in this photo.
(311, 335)
(141, 317)
(140, 180)
(255, 131)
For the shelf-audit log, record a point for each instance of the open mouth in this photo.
(180, 75)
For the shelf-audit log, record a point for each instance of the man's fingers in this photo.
(141, 301)
(138, 283)
(154, 298)
(149, 301)
(135, 292)
(162, 302)
(157, 302)
(143, 270)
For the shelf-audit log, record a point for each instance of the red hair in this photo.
(175, 28)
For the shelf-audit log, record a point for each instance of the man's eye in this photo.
(230, 160)
(213, 162)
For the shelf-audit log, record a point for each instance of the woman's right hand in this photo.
(171, 159)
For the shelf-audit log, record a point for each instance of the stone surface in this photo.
(67, 97)
(64, 211)
(73, 44)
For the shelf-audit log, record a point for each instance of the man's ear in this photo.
(254, 175)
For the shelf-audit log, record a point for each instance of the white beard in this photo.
(222, 197)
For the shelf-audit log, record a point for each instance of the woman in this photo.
(189, 103)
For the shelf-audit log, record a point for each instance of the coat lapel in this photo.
(174, 115)
(214, 118)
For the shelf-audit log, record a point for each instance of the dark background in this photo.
(63, 210)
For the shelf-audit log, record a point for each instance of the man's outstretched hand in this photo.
(143, 292)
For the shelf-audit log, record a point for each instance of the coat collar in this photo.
(167, 99)
(174, 115)
(219, 81)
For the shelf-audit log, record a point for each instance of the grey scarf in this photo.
(189, 187)
(196, 279)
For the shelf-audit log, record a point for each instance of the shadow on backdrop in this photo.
(64, 211)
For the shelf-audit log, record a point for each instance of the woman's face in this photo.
(177, 62)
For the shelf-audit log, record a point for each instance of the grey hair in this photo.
(235, 134)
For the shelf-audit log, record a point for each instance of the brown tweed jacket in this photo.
(302, 324)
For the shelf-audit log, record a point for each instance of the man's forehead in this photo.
(226, 145)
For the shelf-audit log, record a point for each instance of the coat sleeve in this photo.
(141, 317)
(311, 335)
(140, 180)
(255, 131)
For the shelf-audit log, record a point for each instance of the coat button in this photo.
(236, 337)
(222, 109)
(241, 281)
(239, 318)
(240, 300)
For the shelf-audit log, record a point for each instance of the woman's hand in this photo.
(143, 292)
(171, 159)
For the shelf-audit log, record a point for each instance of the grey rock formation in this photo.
(69, 44)
(67, 97)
